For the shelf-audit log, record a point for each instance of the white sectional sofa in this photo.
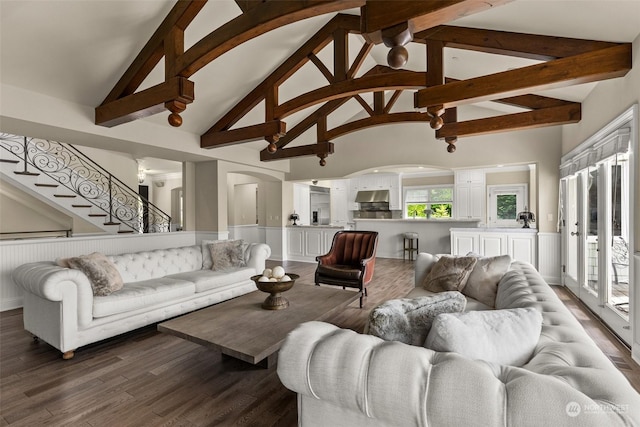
(61, 309)
(348, 379)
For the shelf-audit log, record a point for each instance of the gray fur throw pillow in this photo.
(102, 273)
(450, 273)
(227, 254)
(408, 320)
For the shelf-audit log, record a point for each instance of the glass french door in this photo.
(595, 207)
(571, 233)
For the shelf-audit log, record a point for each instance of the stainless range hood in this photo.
(374, 196)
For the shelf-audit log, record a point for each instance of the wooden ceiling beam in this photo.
(292, 64)
(531, 46)
(364, 104)
(392, 101)
(552, 116)
(322, 148)
(420, 15)
(145, 103)
(584, 68)
(393, 80)
(247, 5)
(244, 134)
(376, 120)
(357, 63)
(180, 17)
(253, 23)
(321, 67)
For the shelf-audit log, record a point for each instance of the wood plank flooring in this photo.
(146, 378)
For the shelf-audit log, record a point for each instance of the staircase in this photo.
(63, 177)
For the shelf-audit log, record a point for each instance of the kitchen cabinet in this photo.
(305, 243)
(382, 181)
(470, 195)
(339, 202)
(520, 244)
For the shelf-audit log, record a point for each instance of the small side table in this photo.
(408, 246)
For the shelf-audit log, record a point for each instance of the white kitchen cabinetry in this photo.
(306, 243)
(519, 243)
(339, 202)
(302, 203)
(390, 182)
(470, 195)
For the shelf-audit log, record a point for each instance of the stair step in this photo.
(98, 215)
(46, 185)
(9, 161)
(125, 231)
(27, 173)
(66, 196)
(81, 206)
(111, 223)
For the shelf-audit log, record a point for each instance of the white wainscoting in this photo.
(276, 238)
(17, 252)
(635, 307)
(550, 257)
(249, 233)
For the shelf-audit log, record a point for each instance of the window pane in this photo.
(417, 210)
(441, 195)
(506, 206)
(440, 210)
(417, 195)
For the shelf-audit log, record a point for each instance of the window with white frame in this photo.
(429, 201)
(505, 201)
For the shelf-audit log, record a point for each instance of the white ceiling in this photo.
(77, 50)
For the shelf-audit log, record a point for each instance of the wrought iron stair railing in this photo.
(77, 172)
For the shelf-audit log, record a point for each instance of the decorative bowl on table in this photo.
(275, 301)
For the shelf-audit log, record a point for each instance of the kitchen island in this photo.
(434, 236)
(306, 242)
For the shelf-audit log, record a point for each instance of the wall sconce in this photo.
(525, 217)
(159, 184)
(141, 176)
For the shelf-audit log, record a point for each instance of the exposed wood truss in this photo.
(565, 62)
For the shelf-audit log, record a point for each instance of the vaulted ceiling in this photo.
(233, 51)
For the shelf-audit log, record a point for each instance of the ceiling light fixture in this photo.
(141, 176)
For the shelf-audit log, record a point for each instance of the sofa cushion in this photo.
(505, 337)
(482, 284)
(408, 320)
(206, 280)
(472, 304)
(337, 271)
(139, 266)
(102, 273)
(449, 273)
(141, 295)
(227, 254)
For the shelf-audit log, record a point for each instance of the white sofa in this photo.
(60, 308)
(348, 379)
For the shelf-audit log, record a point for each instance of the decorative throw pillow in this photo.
(102, 273)
(227, 254)
(409, 320)
(206, 253)
(505, 337)
(449, 273)
(482, 284)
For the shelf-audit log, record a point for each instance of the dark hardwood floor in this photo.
(146, 378)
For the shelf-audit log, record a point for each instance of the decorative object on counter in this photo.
(525, 217)
(294, 217)
(274, 282)
(428, 213)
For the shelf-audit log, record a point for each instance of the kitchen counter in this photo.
(497, 230)
(433, 234)
(338, 227)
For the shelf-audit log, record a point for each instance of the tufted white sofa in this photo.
(60, 308)
(348, 379)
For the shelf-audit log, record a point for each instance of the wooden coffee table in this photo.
(242, 329)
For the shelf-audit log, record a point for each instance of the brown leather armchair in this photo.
(350, 261)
